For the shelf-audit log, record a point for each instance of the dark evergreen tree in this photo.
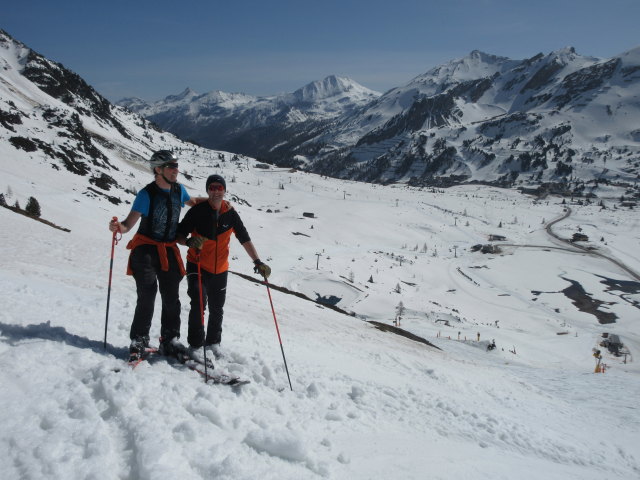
(33, 207)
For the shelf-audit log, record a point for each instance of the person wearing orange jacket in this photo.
(210, 225)
(155, 258)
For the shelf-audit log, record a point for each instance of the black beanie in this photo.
(216, 179)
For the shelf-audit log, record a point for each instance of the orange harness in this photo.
(139, 239)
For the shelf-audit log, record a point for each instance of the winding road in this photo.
(586, 250)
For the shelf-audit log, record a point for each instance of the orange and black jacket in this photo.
(216, 227)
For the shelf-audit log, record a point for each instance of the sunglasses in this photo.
(216, 188)
(170, 165)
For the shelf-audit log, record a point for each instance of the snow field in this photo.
(365, 403)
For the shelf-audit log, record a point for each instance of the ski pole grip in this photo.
(115, 219)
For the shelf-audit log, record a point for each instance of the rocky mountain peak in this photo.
(331, 86)
(186, 94)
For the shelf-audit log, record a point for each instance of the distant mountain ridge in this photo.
(559, 121)
(231, 121)
(550, 119)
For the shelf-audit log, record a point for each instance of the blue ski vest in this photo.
(164, 212)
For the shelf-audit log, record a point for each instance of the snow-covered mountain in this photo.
(562, 120)
(548, 119)
(49, 114)
(484, 118)
(423, 398)
(253, 125)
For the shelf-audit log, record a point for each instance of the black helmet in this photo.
(161, 157)
(215, 179)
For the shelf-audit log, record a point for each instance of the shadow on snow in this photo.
(14, 334)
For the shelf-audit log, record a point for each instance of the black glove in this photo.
(195, 242)
(262, 268)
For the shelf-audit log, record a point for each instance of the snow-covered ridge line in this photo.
(561, 120)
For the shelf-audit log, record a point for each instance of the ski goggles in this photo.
(170, 165)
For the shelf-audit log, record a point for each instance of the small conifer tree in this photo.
(33, 207)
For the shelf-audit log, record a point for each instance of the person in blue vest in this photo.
(155, 261)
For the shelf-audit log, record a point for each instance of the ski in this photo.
(209, 371)
(137, 359)
(213, 376)
(195, 364)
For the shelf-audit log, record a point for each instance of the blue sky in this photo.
(151, 49)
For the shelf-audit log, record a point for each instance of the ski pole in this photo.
(114, 242)
(278, 332)
(204, 344)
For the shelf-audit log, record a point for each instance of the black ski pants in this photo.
(214, 295)
(148, 275)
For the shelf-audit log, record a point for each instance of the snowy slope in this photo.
(365, 403)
